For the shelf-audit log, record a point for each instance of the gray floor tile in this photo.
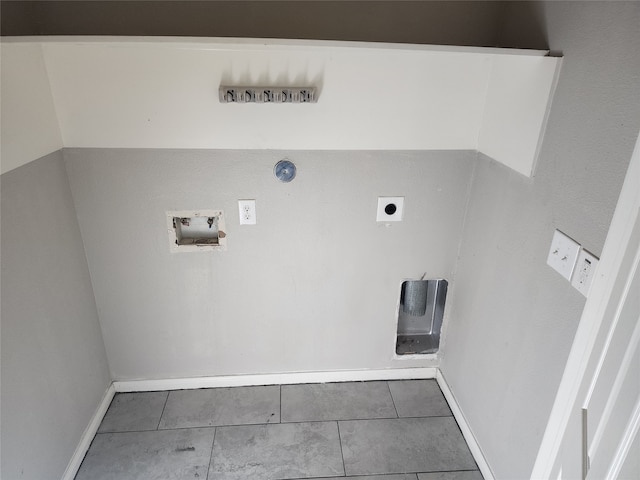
(374, 444)
(294, 450)
(158, 455)
(418, 398)
(137, 411)
(472, 475)
(222, 406)
(403, 445)
(336, 401)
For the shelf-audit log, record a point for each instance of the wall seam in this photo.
(53, 98)
(63, 152)
(453, 294)
(484, 104)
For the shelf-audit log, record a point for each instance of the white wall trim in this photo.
(630, 434)
(274, 379)
(470, 438)
(250, 43)
(89, 433)
(545, 119)
(280, 379)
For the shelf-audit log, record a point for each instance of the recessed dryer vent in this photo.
(420, 316)
(191, 231)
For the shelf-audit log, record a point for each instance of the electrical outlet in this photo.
(563, 254)
(390, 209)
(247, 211)
(584, 272)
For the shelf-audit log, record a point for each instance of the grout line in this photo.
(134, 431)
(453, 470)
(344, 467)
(280, 404)
(392, 400)
(163, 407)
(381, 475)
(229, 425)
(452, 295)
(380, 418)
(170, 429)
(343, 420)
(211, 456)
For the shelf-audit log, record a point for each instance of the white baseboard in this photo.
(476, 451)
(274, 379)
(87, 437)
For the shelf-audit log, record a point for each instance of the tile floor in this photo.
(396, 430)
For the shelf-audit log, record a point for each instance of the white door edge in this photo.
(610, 263)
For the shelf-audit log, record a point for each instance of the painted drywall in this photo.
(604, 364)
(54, 365)
(29, 123)
(514, 116)
(313, 286)
(513, 318)
(169, 95)
(371, 96)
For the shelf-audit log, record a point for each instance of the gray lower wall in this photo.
(54, 366)
(514, 318)
(312, 287)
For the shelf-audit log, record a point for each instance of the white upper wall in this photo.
(29, 124)
(163, 93)
(517, 104)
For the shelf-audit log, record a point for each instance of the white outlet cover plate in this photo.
(584, 272)
(396, 216)
(247, 212)
(563, 254)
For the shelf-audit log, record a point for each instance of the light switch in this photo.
(563, 254)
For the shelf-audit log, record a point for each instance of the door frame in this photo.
(615, 246)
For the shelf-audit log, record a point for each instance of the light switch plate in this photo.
(584, 272)
(563, 254)
(390, 209)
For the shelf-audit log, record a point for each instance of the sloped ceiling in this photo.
(469, 23)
